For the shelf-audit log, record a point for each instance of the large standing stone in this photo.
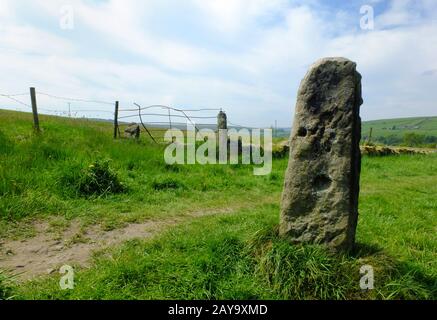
(320, 196)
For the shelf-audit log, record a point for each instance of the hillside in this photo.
(393, 131)
(134, 227)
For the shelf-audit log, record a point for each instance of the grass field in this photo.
(392, 131)
(234, 254)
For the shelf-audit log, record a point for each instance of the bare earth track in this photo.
(47, 252)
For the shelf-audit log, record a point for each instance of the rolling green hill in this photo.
(422, 131)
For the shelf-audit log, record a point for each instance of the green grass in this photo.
(41, 175)
(239, 256)
(5, 286)
(234, 255)
(392, 131)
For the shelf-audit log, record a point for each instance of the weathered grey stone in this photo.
(320, 196)
(222, 121)
(132, 131)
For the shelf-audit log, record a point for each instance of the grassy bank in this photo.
(41, 176)
(233, 255)
(411, 132)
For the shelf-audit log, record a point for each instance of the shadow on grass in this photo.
(314, 272)
(364, 249)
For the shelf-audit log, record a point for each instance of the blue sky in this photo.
(245, 56)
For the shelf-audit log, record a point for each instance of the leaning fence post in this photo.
(369, 139)
(116, 120)
(34, 109)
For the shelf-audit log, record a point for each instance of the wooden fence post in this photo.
(34, 110)
(116, 120)
(369, 139)
(169, 118)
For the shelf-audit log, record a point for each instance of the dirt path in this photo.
(47, 252)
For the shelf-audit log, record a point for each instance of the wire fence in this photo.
(57, 105)
(153, 120)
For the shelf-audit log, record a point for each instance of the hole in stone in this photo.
(302, 132)
(322, 131)
(322, 182)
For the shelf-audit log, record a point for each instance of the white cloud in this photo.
(254, 76)
(4, 9)
(29, 40)
(400, 13)
(233, 15)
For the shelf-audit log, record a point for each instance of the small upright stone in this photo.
(222, 121)
(222, 129)
(320, 196)
(132, 131)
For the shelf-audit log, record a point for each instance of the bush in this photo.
(95, 180)
(281, 151)
(412, 139)
(391, 140)
(166, 183)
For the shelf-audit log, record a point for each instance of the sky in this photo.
(244, 56)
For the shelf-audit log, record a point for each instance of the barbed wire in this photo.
(165, 115)
(148, 132)
(17, 94)
(5, 107)
(148, 126)
(173, 125)
(237, 125)
(171, 108)
(176, 123)
(11, 97)
(158, 133)
(74, 99)
(71, 111)
(107, 111)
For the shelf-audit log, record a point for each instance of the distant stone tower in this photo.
(222, 122)
(320, 196)
(222, 130)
